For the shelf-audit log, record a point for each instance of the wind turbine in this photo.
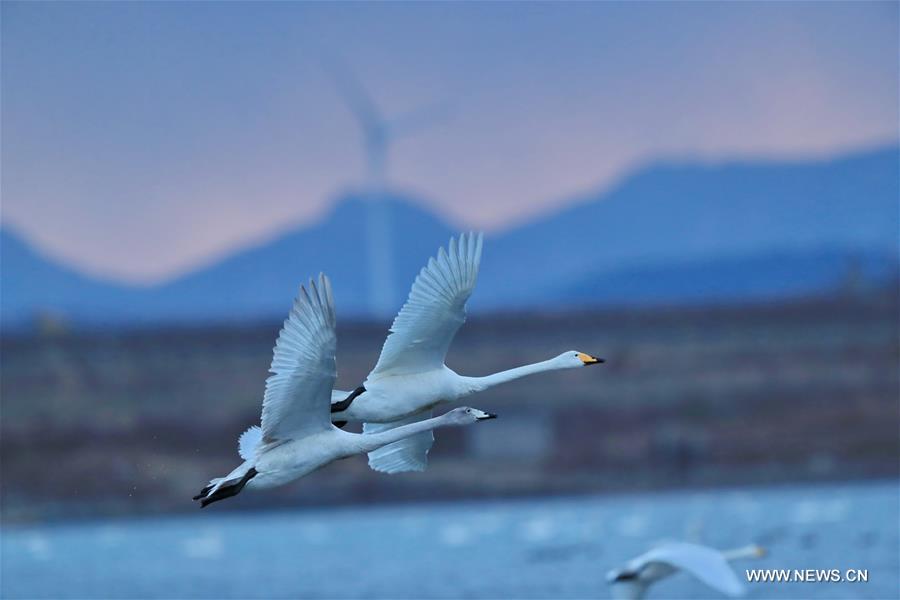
(378, 132)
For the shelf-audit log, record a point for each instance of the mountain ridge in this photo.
(635, 223)
(667, 215)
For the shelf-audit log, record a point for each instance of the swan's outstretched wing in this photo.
(298, 393)
(408, 454)
(436, 308)
(706, 564)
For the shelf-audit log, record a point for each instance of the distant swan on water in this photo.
(296, 436)
(410, 377)
(706, 564)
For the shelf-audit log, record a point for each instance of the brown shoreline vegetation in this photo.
(101, 423)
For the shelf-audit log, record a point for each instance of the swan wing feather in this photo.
(408, 454)
(706, 564)
(298, 391)
(424, 328)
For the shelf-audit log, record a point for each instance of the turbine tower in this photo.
(378, 133)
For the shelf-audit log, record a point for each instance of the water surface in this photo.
(547, 548)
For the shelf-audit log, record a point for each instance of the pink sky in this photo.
(141, 140)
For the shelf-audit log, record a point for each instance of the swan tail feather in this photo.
(249, 441)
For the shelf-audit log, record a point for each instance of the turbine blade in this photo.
(354, 94)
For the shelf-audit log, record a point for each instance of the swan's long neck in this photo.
(479, 384)
(373, 441)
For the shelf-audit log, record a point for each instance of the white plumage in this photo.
(424, 328)
(410, 377)
(708, 565)
(249, 442)
(303, 368)
(409, 454)
(296, 436)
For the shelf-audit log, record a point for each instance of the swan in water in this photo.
(296, 436)
(706, 564)
(410, 378)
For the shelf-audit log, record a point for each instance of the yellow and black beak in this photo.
(587, 359)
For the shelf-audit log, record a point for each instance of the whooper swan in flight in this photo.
(410, 378)
(706, 564)
(297, 436)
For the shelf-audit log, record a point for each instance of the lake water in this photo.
(548, 548)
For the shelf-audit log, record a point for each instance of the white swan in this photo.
(706, 564)
(297, 436)
(410, 377)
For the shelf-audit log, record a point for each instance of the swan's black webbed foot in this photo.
(203, 492)
(346, 402)
(227, 491)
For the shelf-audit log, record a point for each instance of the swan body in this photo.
(392, 398)
(706, 564)
(296, 436)
(410, 377)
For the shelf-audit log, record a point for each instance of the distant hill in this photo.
(33, 286)
(737, 279)
(252, 283)
(261, 281)
(669, 233)
(675, 214)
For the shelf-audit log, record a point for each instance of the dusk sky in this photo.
(140, 140)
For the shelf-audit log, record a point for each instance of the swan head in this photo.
(574, 359)
(465, 415)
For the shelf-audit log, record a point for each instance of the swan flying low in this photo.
(706, 564)
(296, 436)
(410, 378)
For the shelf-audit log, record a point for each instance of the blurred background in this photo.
(704, 194)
